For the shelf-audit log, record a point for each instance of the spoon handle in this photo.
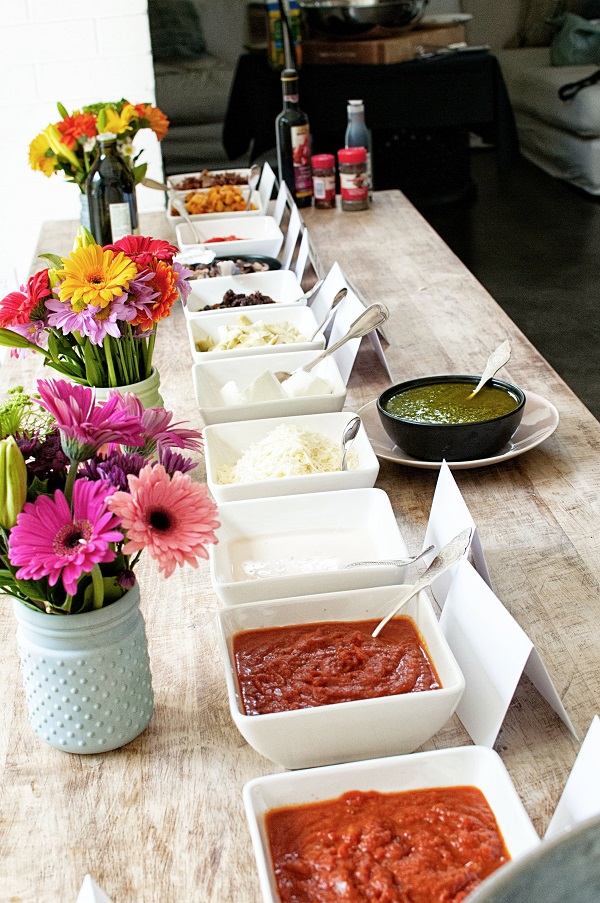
(330, 313)
(497, 359)
(452, 552)
(368, 320)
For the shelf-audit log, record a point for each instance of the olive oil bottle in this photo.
(110, 190)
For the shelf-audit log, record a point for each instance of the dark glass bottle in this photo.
(110, 190)
(293, 142)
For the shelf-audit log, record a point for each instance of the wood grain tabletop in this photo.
(161, 820)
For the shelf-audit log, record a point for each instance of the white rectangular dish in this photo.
(226, 443)
(211, 324)
(210, 376)
(257, 208)
(295, 545)
(176, 180)
(346, 731)
(474, 766)
(280, 285)
(254, 235)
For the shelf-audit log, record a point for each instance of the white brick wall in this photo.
(76, 53)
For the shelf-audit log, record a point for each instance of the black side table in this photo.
(420, 113)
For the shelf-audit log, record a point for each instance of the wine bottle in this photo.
(358, 135)
(292, 134)
(110, 190)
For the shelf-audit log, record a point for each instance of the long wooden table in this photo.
(161, 820)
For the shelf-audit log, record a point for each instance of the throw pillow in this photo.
(576, 43)
(175, 30)
(533, 29)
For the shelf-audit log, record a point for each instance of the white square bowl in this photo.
(343, 732)
(474, 766)
(210, 376)
(225, 443)
(257, 207)
(304, 543)
(175, 181)
(280, 285)
(207, 325)
(254, 235)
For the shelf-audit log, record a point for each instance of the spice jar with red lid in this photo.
(354, 183)
(323, 176)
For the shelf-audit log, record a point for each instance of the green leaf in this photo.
(33, 589)
(93, 371)
(10, 339)
(139, 172)
(62, 110)
(54, 259)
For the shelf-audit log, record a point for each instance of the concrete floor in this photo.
(534, 243)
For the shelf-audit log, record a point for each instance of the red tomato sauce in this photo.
(207, 241)
(306, 665)
(421, 846)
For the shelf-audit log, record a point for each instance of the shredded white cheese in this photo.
(286, 451)
(245, 334)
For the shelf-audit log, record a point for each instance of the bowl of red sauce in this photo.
(308, 685)
(436, 824)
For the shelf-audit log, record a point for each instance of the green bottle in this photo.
(110, 190)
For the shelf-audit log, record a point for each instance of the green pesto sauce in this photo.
(449, 403)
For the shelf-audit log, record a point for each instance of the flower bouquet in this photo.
(93, 315)
(85, 488)
(69, 145)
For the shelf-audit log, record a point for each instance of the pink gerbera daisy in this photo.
(50, 541)
(85, 426)
(172, 517)
(159, 432)
(143, 249)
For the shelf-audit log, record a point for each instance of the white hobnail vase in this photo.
(87, 676)
(147, 390)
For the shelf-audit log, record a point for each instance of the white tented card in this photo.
(450, 515)
(91, 893)
(581, 797)
(265, 186)
(492, 652)
(347, 312)
(293, 231)
(302, 256)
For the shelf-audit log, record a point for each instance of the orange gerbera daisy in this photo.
(155, 118)
(41, 156)
(73, 127)
(94, 276)
(163, 281)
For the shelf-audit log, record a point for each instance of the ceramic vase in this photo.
(87, 676)
(147, 390)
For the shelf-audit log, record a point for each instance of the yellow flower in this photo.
(94, 276)
(120, 123)
(53, 137)
(39, 158)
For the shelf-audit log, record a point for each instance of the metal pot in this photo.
(348, 17)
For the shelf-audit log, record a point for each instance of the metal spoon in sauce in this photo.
(495, 361)
(348, 436)
(452, 552)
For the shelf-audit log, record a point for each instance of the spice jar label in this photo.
(354, 186)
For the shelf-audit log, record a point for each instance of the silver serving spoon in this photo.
(495, 361)
(392, 562)
(178, 203)
(253, 177)
(307, 296)
(348, 436)
(452, 552)
(330, 315)
(366, 322)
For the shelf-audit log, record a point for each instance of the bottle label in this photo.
(301, 156)
(354, 186)
(120, 220)
(324, 188)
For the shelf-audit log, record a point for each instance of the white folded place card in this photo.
(449, 515)
(348, 310)
(91, 893)
(580, 799)
(492, 651)
(291, 237)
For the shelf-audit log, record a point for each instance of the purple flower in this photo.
(44, 458)
(85, 426)
(114, 468)
(182, 285)
(173, 461)
(35, 332)
(157, 428)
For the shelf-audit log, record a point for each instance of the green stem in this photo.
(148, 352)
(112, 376)
(98, 586)
(70, 482)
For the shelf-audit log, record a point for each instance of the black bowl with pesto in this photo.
(433, 419)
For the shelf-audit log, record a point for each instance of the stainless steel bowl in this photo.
(347, 17)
